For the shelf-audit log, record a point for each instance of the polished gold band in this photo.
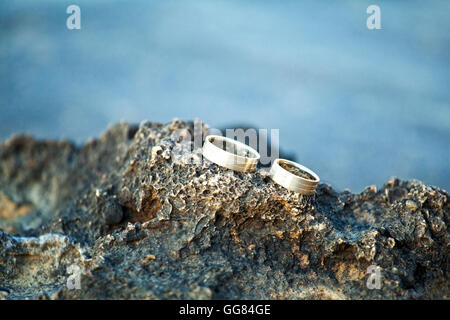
(230, 153)
(291, 181)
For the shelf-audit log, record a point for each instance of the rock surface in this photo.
(139, 219)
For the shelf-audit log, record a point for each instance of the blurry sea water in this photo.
(357, 106)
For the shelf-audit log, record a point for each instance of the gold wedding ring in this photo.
(230, 153)
(294, 176)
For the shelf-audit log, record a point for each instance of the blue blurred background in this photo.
(356, 105)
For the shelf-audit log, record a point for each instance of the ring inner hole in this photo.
(231, 148)
(295, 170)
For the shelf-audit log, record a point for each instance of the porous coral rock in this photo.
(144, 216)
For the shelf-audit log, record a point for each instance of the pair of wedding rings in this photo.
(238, 156)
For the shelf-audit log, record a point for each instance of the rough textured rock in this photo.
(142, 223)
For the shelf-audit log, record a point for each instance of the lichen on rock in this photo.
(144, 224)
